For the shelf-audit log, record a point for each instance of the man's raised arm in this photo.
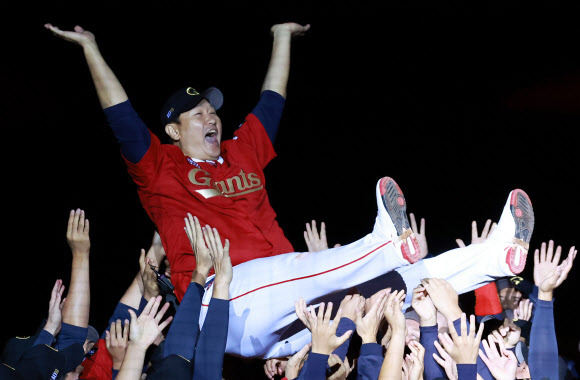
(130, 131)
(277, 76)
(108, 87)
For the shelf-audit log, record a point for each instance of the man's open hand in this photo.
(78, 36)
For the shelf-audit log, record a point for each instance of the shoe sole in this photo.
(396, 206)
(523, 214)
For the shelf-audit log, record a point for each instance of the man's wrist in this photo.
(545, 296)
(90, 46)
(452, 313)
(80, 252)
(428, 322)
(367, 338)
(147, 294)
(321, 350)
(202, 270)
(137, 346)
(51, 328)
(221, 291)
(282, 33)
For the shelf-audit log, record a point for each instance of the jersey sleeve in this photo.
(269, 112)
(146, 170)
(253, 131)
(129, 130)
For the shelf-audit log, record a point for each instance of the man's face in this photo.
(509, 298)
(199, 132)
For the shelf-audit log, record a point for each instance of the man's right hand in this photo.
(79, 36)
(424, 307)
(444, 297)
(77, 234)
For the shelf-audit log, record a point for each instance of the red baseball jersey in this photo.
(229, 196)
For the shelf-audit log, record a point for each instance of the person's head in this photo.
(191, 122)
(413, 323)
(509, 296)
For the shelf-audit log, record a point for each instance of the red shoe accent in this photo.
(406, 251)
(383, 185)
(510, 259)
(400, 201)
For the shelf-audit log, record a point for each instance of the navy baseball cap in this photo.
(45, 362)
(523, 285)
(187, 98)
(15, 348)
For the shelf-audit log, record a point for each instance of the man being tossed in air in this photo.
(221, 183)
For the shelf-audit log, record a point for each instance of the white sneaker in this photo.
(515, 227)
(395, 218)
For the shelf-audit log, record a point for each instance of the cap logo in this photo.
(192, 91)
(516, 280)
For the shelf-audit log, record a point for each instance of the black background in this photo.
(458, 106)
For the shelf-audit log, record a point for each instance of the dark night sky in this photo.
(458, 106)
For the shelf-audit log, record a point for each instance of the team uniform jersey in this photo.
(228, 194)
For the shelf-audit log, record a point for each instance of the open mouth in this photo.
(212, 136)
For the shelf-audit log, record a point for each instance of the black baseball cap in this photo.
(187, 98)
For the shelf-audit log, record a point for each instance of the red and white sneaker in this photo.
(396, 217)
(515, 228)
(523, 216)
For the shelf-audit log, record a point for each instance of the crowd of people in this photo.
(221, 277)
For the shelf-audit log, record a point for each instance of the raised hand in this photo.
(420, 234)
(393, 312)
(77, 233)
(314, 241)
(117, 341)
(509, 333)
(524, 310)
(350, 304)
(55, 306)
(424, 307)
(367, 327)
(274, 367)
(475, 237)
(302, 311)
(415, 361)
(344, 368)
(446, 361)
(548, 275)
(156, 251)
(78, 36)
(145, 329)
(324, 339)
(444, 297)
(149, 278)
(293, 28)
(196, 239)
(219, 254)
(503, 363)
(296, 362)
(465, 347)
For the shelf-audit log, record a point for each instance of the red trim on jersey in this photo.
(312, 275)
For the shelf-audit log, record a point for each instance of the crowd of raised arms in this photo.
(511, 334)
(220, 277)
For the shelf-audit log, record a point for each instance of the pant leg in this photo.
(263, 291)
